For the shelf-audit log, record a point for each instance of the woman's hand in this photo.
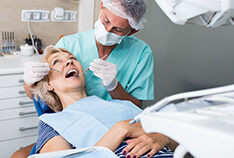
(121, 130)
(132, 131)
(151, 143)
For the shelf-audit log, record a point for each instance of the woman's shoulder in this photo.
(44, 129)
(45, 133)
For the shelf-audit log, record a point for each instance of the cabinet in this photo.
(18, 118)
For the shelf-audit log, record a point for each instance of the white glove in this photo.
(35, 71)
(106, 71)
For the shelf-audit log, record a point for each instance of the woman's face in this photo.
(70, 68)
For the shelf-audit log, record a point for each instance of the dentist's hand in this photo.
(106, 71)
(35, 71)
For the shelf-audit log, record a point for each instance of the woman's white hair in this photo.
(40, 90)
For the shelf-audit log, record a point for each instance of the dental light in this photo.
(209, 13)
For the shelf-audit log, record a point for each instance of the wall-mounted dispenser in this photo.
(61, 15)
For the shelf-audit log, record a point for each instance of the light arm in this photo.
(210, 13)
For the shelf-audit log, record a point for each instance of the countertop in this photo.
(14, 64)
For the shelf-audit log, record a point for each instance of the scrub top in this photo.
(133, 57)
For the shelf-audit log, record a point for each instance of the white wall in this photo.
(86, 15)
(187, 57)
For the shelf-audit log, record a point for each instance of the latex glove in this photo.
(106, 71)
(35, 71)
(146, 143)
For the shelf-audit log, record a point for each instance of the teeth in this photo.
(72, 71)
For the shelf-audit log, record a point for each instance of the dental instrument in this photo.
(13, 41)
(55, 70)
(8, 42)
(88, 67)
(82, 72)
(30, 33)
(3, 41)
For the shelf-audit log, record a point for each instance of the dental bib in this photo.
(86, 121)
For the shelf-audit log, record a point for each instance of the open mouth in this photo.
(72, 73)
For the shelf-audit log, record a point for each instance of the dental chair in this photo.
(41, 108)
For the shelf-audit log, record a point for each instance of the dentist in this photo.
(127, 71)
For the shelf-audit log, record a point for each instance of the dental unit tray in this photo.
(204, 132)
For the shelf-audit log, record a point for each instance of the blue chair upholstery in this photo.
(33, 150)
(41, 108)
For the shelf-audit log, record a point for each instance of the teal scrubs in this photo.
(133, 57)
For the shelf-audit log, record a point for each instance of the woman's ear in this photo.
(50, 88)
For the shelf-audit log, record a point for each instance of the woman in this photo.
(86, 121)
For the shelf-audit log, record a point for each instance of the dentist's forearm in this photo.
(28, 91)
(120, 93)
(173, 144)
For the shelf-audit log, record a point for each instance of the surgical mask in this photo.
(104, 37)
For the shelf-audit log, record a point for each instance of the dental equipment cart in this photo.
(205, 131)
(18, 118)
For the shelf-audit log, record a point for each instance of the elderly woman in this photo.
(82, 121)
